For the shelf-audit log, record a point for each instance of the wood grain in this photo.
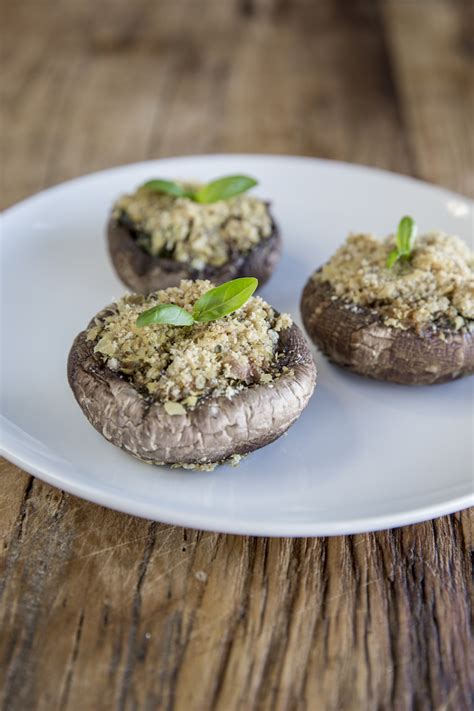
(99, 610)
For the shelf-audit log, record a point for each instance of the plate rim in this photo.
(203, 520)
(374, 170)
(214, 523)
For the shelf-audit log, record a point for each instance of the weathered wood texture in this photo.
(103, 611)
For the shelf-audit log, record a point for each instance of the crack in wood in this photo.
(71, 665)
(135, 617)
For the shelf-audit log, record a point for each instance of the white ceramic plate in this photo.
(363, 456)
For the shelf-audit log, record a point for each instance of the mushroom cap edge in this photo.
(357, 339)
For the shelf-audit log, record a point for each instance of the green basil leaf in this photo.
(406, 234)
(165, 313)
(168, 187)
(392, 258)
(224, 299)
(224, 188)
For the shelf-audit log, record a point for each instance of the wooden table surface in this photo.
(100, 610)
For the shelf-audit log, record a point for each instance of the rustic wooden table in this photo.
(100, 610)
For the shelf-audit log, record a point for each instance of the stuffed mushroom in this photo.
(172, 380)
(398, 310)
(168, 231)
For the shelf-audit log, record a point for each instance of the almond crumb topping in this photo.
(434, 288)
(187, 231)
(179, 365)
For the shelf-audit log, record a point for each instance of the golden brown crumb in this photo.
(195, 233)
(233, 460)
(179, 365)
(435, 286)
(174, 408)
(204, 467)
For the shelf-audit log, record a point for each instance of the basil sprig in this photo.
(168, 187)
(405, 240)
(220, 189)
(224, 188)
(224, 299)
(214, 304)
(165, 313)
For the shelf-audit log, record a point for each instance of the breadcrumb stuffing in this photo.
(187, 231)
(434, 288)
(179, 365)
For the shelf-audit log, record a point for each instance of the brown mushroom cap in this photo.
(356, 338)
(214, 430)
(144, 273)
